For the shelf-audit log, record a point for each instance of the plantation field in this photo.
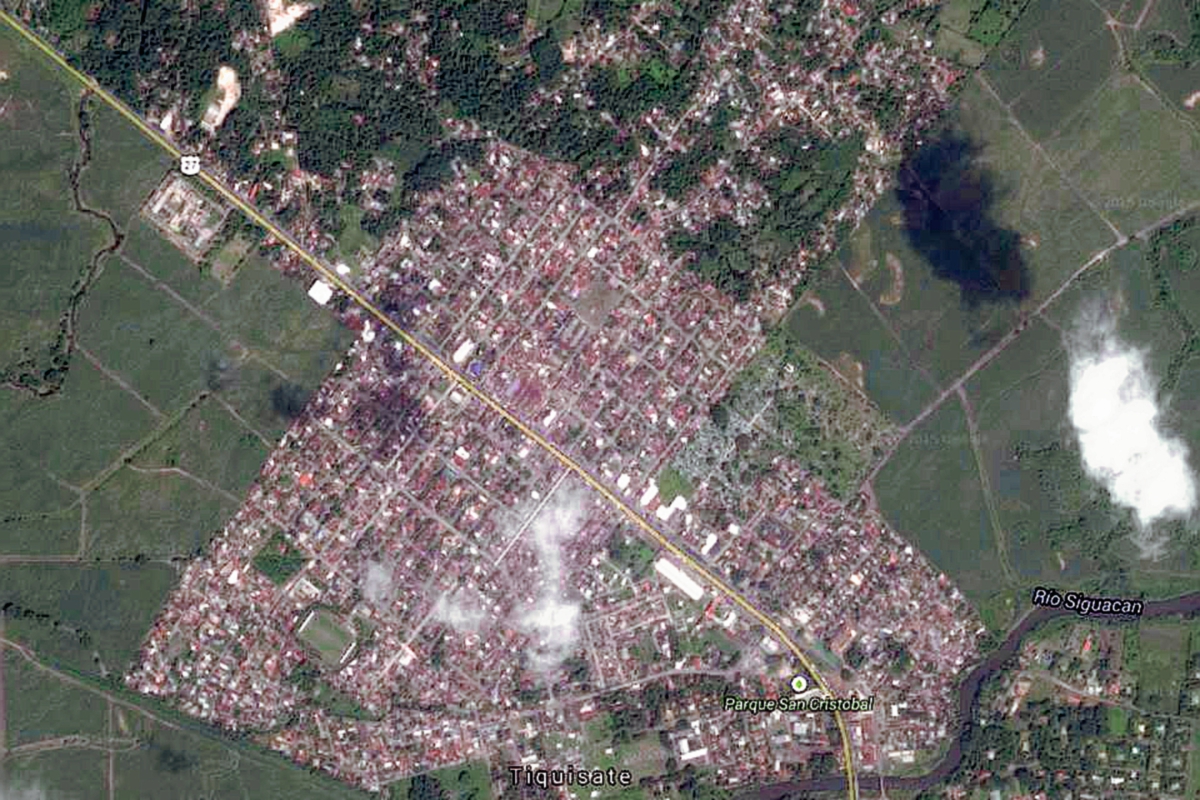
(176, 388)
(1131, 154)
(1060, 151)
(930, 491)
(155, 751)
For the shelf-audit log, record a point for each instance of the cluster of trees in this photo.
(814, 177)
(685, 169)
(120, 43)
(1163, 47)
(279, 560)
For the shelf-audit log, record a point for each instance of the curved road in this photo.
(968, 694)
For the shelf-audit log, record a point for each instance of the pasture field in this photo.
(209, 443)
(1132, 155)
(1020, 404)
(930, 491)
(41, 707)
(1061, 89)
(1059, 231)
(180, 763)
(848, 326)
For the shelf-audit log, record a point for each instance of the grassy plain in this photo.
(931, 492)
(1162, 662)
(1132, 155)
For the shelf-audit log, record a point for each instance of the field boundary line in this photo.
(468, 386)
(1041, 151)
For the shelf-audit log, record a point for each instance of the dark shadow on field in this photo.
(949, 202)
(289, 399)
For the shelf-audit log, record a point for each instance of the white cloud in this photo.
(1122, 440)
(554, 619)
(459, 612)
(377, 584)
(13, 791)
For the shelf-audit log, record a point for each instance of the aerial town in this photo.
(414, 583)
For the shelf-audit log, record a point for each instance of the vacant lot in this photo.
(1162, 662)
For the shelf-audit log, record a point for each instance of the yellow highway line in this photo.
(463, 382)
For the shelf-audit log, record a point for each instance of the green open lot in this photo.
(470, 781)
(157, 514)
(1161, 665)
(328, 635)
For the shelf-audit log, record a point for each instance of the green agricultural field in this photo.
(1047, 32)
(209, 443)
(40, 706)
(841, 326)
(326, 634)
(119, 149)
(155, 512)
(177, 386)
(48, 244)
(1133, 156)
(74, 774)
(86, 617)
(164, 755)
(930, 491)
(1161, 665)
